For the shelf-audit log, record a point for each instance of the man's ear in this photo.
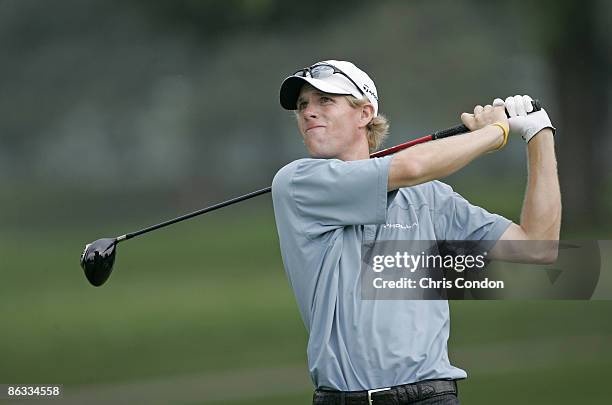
(367, 113)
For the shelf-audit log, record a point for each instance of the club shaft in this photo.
(196, 213)
(456, 130)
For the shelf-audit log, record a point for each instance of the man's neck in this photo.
(354, 155)
(359, 152)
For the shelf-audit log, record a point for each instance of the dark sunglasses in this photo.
(323, 70)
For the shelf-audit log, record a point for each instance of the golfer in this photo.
(389, 351)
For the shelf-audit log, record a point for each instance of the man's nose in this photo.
(310, 111)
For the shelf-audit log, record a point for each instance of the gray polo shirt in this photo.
(325, 209)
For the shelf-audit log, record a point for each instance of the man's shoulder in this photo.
(290, 167)
(283, 177)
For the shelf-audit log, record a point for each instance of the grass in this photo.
(210, 296)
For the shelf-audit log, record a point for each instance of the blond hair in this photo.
(377, 130)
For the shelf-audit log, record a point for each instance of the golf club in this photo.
(98, 257)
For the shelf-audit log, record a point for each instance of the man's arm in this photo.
(541, 212)
(435, 160)
(537, 235)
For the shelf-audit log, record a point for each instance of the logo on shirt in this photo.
(400, 226)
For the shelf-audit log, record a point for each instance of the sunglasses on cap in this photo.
(324, 70)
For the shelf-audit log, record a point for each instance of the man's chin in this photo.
(321, 150)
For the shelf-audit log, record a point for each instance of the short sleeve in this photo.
(457, 219)
(330, 193)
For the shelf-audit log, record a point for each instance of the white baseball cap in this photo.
(329, 76)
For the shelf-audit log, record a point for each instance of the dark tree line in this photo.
(570, 33)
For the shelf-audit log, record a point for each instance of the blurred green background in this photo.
(117, 115)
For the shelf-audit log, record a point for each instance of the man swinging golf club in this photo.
(395, 351)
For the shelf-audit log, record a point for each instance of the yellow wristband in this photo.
(504, 127)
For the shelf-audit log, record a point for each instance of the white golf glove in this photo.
(527, 126)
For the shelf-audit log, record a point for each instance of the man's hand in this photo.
(484, 116)
(527, 126)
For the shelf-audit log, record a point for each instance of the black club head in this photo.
(97, 260)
